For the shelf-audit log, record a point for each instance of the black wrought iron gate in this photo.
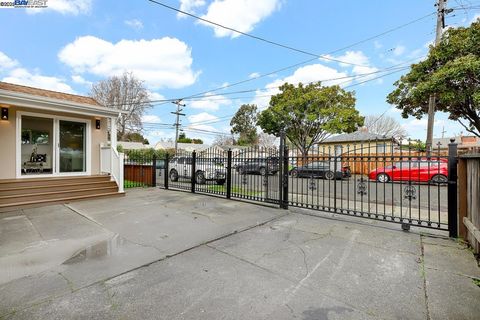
(381, 180)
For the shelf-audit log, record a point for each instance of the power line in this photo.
(165, 101)
(254, 36)
(153, 126)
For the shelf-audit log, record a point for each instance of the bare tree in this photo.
(385, 126)
(266, 140)
(125, 93)
(223, 140)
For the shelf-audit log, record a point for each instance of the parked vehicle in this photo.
(422, 170)
(321, 169)
(263, 166)
(205, 170)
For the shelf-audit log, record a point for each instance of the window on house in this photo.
(381, 148)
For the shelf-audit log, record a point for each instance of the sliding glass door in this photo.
(72, 146)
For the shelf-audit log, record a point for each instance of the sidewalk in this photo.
(174, 255)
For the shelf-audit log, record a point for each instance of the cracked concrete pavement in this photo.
(159, 254)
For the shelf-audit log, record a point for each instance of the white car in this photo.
(205, 170)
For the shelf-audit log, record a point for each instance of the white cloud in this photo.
(210, 104)
(74, 7)
(377, 44)
(151, 118)
(399, 50)
(254, 75)
(415, 125)
(6, 62)
(201, 117)
(189, 6)
(361, 61)
(24, 77)
(305, 74)
(242, 15)
(475, 18)
(155, 96)
(134, 23)
(80, 80)
(161, 63)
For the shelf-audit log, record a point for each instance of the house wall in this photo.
(356, 147)
(8, 144)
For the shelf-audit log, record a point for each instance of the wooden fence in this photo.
(469, 199)
(139, 173)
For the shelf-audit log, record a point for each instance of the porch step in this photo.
(48, 181)
(18, 190)
(30, 204)
(56, 194)
(39, 191)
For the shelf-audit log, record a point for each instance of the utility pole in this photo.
(177, 122)
(441, 11)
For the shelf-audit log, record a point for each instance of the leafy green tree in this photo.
(244, 123)
(451, 72)
(182, 138)
(309, 114)
(134, 137)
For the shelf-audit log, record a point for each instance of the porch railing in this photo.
(111, 162)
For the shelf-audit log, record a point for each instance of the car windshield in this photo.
(210, 162)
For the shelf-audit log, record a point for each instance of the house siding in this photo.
(357, 147)
(8, 140)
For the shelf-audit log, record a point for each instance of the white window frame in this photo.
(55, 146)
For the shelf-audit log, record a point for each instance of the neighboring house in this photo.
(357, 142)
(464, 142)
(55, 137)
(128, 145)
(186, 147)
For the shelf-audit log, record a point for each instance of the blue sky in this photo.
(71, 44)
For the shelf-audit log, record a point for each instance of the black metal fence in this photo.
(375, 179)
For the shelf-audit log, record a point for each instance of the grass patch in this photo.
(476, 281)
(236, 190)
(134, 184)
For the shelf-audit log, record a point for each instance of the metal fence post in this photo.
(229, 173)
(194, 160)
(165, 172)
(285, 176)
(452, 189)
(154, 171)
(283, 173)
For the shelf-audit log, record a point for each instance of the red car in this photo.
(421, 170)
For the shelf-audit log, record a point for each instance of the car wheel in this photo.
(173, 175)
(294, 173)
(329, 175)
(200, 178)
(382, 178)
(221, 182)
(263, 171)
(439, 178)
(240, 170)
(348, 173)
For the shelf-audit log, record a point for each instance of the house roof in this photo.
(128, 145)
(356, 136)
(48, 93)
(36, 98)
(181, 146)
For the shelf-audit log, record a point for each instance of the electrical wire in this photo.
(254, 36)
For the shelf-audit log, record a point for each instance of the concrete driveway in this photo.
(158, 254)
